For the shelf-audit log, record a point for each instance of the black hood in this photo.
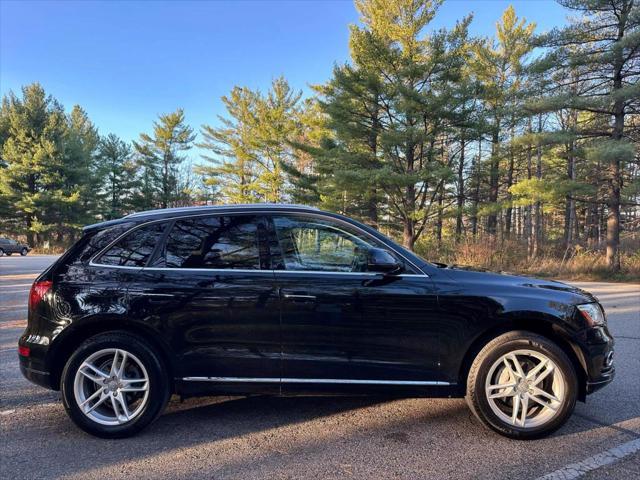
(509, 280)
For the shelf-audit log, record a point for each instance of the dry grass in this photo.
(511, 256)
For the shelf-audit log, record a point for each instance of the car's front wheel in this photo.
(24, 251)
(522, 385)
(114, 385)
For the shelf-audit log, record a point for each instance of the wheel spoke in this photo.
(505, 390)
(98, 372)
(115, 363)
(502, 385)
(122, 364)
(543, 403)
(516, 409)
(135, 389)
(127, 381)
(531, 375)
(91, 397)
(524, 407)
(91, 377)
(516, 364)
(123, 406)
(504, 394)
(114, 405)
(547, 371)
(99, 402)
(538, 391)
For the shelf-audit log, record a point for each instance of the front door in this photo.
(345, 326)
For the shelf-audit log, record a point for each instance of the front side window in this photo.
(134, 249)
(309, 243)
(221, 242)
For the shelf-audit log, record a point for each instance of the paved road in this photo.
(314, 437)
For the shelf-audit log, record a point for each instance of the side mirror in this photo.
(380, 260)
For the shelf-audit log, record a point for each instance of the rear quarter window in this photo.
(135, 248)
(92, 242)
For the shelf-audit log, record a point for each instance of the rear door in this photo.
(211, 292)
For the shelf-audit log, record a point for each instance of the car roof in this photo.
(158, 214)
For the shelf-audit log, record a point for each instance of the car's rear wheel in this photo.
(114, 385)
(24, 251)
(522, 385)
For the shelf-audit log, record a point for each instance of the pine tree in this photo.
(160, 157)
(392, 108)
(603, 44)
(498, 64)
(33, 150)
(253, 147)
(80, 177)
(117, 172)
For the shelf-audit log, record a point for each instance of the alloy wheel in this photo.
(111, 386)
(525, 388)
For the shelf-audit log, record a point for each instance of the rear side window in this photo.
(221, 242)
(134, 249)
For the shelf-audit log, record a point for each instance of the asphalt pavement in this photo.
(326, 437)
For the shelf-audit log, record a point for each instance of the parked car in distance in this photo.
(8, 247)
(291, 300)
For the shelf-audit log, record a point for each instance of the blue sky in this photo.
(125, 62)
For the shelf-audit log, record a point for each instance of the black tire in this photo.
(1, 252)
(24, 252)
(8, 254)
(159, 391)
(476, 394)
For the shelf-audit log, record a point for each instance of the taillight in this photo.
(38, 291)
(24, 351)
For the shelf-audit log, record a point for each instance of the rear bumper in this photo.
(35, 367)
(35, 375)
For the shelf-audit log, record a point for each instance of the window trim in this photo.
(270, 216)
(265, 214)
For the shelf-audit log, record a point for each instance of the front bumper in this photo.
(597, 347)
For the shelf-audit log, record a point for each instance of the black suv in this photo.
(8, 246)
(282, 299)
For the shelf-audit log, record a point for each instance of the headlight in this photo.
(593, 314)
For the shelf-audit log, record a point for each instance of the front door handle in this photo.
(298, 297)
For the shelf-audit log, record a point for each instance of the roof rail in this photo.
(205, 208)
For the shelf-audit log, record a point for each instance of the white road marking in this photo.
(576, 470)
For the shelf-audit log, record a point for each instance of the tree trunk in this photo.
(615, 179)
(475, 168)
(494, 173)
(410, 203)
(372, 197)
(570, 204)
(537, 212)
(509, 212)
(460, 191)
(439, 222)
